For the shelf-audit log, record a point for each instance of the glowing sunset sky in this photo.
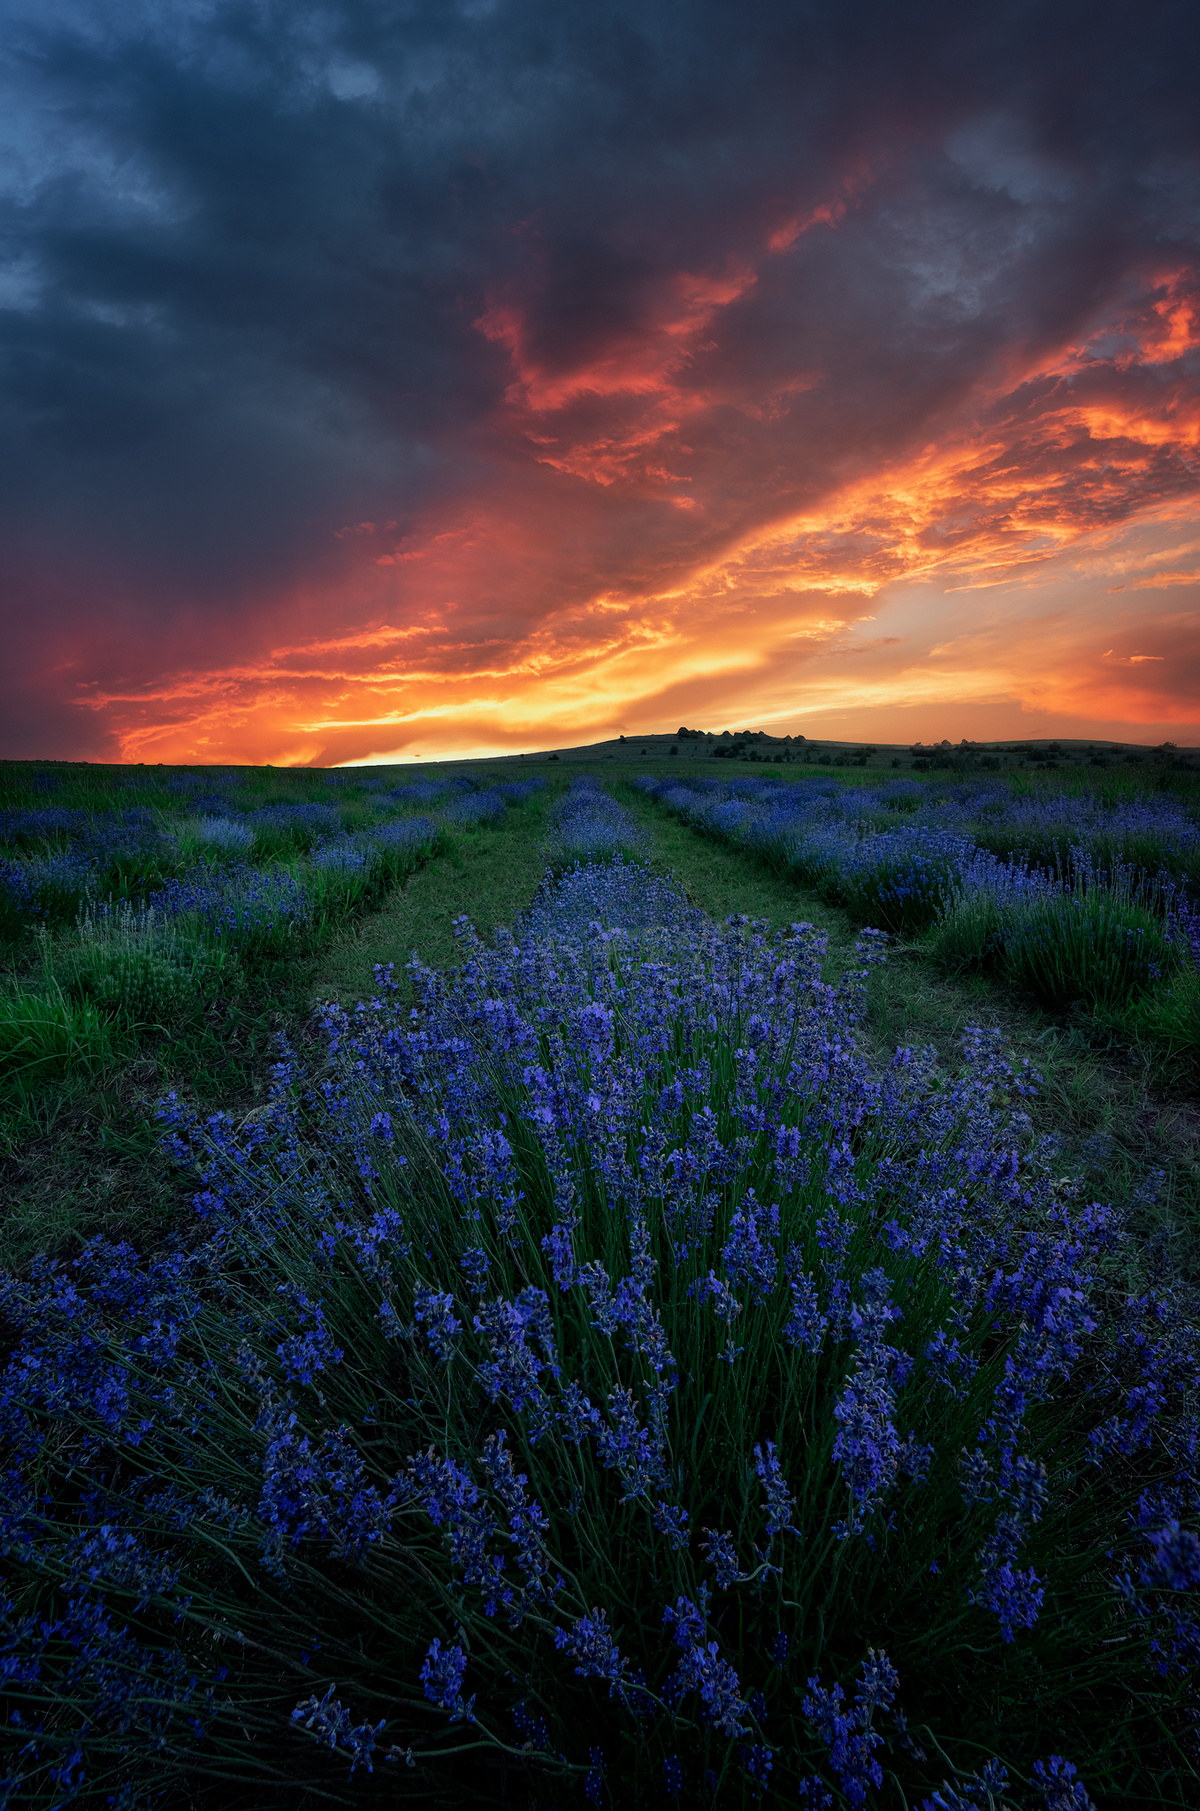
(386, 380)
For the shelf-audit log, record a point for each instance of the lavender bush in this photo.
(483, 807)
(215, 835)
(601, 1374)
(587, 824)
(257, 913)
(282, 830)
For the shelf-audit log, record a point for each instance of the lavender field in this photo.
(586, 1375)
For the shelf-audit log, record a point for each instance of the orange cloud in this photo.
(826, 213)
(581, 589)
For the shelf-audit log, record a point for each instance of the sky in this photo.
(386, 381)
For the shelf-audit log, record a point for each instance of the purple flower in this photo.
(757, 1761)
(475, 1263)
(749, 1252)
(846, 1731)
(813, 1793)
(780, 1503)
(630, 1449)
(702, 1670)
(595, 1280)
(593, 1779)
(530, 1727)
(451, 1500)
(589, 1642)
(317, 1490)
(112, 1556)
(689, 1621)
(726, 1305)
(559, 1249)
(527, 1522)
(867, 1445)
(595, 1025)
(515, 1368)
(577, 1415)
(330, 1722)
(306, 1354)
(722, 1557)
(877, 1685)
(671, 1523)
(442, 1674)
(1060, 1785)
(979, 1793)
(1175, 1559)
(643, 1328)
(805, 1325)
(434, 1311)
(1014, 1597)
(948, 1365)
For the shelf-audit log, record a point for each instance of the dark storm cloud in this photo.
(247, 249)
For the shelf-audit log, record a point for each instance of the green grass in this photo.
(487, 875)
(1170, 1018)
(45, 1035)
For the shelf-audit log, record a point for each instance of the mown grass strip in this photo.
(486, 876)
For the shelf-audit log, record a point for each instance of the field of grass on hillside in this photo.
(587, 1363)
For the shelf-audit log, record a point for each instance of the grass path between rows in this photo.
(488, 876)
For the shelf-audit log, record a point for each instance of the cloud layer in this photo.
(388, 379)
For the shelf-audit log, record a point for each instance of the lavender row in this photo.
(588, 825)
(825, 821)
(225, 871)
(960, 868)
(602, 1373)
